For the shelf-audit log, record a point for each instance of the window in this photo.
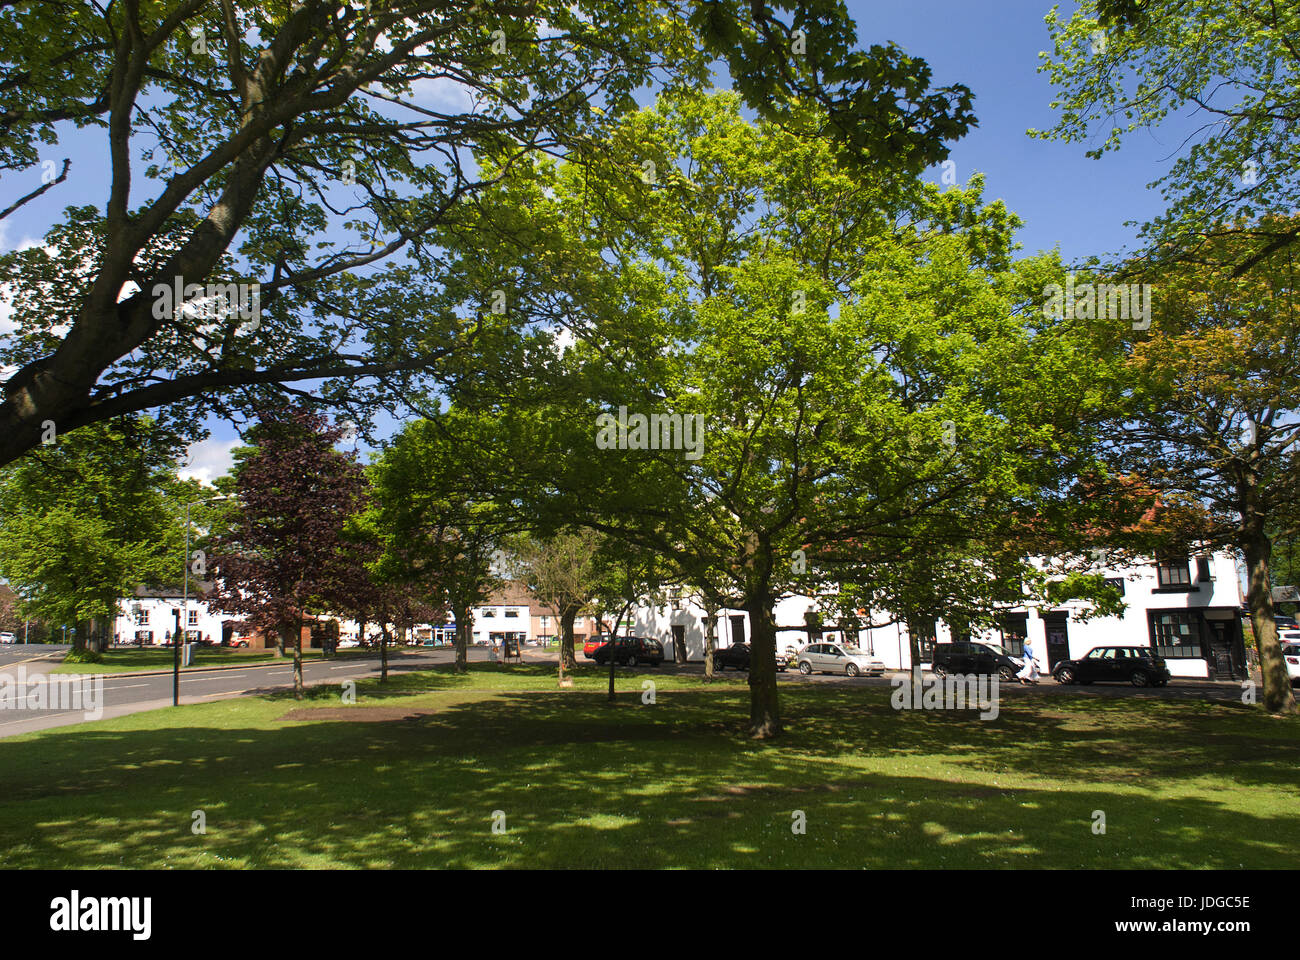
(512, 613)
(1117, 583)
(141, 617)
(193, 617)
(1013, 629)
(1176, 635)
(1173, 573)
(1203, 570)
(1097, 654)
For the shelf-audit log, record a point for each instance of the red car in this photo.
(594, 643)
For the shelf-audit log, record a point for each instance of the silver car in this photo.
(838, 658)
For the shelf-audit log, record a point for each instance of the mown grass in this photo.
(582, 783)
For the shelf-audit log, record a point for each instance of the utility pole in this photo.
(176, 637)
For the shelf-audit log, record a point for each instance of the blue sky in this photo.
(1066, 200)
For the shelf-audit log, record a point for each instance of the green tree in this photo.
(431, 526)
(562, 572)
(88, 518)
(1122, 67)
(851, 359)
(1219, 424)
(297, 146)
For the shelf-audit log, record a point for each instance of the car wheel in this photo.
(631, 661)
(851, 669)
(805, 668)
(939, 670)
(1065, 675)
(1138, 678)
(1007, 674)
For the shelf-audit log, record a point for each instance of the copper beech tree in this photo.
(283, 552)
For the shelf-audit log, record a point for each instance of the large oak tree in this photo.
(299, 146)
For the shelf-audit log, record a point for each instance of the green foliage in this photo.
(300, 146)
(87, 519)
(1233, 66)
(83, 656)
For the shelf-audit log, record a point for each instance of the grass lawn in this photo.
(124, 661)
(410, 776)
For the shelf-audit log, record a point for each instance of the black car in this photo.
(1135, 665)
(961, 659)
(629, 651)
(736, 656)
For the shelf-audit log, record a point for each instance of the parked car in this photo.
(630, 651)
(1291, 654)
(737, 657)
(345, 644)
(1284, 622)
(234, 642)
(838, 658)
(7, 637)
(594, 643)
(1135, 665)
(963, 658)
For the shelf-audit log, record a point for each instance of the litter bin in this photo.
(187, 655)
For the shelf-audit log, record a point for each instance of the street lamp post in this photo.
(183, 628)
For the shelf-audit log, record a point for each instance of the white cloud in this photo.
(208, 459)
(443, 94)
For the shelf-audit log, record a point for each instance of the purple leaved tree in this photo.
(283, 552)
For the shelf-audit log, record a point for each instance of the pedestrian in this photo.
(1029, 672)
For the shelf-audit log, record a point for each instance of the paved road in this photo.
(130, 694)
(14, 653)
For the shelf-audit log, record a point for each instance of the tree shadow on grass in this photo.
(576, 783)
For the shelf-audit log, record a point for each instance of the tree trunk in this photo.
(613, 634)
(464, 627)
(1278, 697)
(383, 652)
(298, 687)
(764, 703)
(567, 659)
(710, 638)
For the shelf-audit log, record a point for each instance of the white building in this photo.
(153, 615)
(1188, 608)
